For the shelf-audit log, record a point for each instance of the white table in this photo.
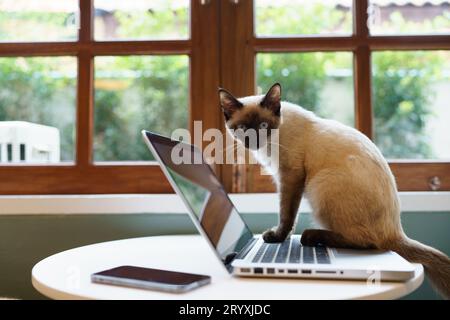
(66, 275)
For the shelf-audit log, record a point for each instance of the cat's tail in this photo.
(436, 263)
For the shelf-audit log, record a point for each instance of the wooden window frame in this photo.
(410, 175)
(84, 176)
(220, 54)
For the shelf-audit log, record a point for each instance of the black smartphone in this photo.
(151, 279)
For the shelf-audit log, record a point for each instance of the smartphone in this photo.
(151, 279)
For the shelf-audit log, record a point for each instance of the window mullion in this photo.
(86, 21)
(237, 74)
(362, 69)
(85, 87)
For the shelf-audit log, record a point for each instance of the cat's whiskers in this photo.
(227, 149)
(277, 144)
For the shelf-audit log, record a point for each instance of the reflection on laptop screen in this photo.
(205, 196)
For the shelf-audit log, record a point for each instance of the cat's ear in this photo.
(228, 103)
(272, 99)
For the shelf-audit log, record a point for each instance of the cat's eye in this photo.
(263, 125)
(241, 127)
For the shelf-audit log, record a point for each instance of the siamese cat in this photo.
(344, 176)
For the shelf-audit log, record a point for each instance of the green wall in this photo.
(26, 239)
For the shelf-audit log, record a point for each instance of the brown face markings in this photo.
(254, 119)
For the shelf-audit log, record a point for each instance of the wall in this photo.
(26, 239)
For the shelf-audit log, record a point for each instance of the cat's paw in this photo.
(310, 238)
(272, 236)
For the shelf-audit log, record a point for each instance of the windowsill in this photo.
(172, 204)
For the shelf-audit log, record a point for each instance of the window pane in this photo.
(320, 82)
(411, 94)
(38, 20)
(134, 93)
(303, 17)
(37, 109)
(140, 20)
(409, 17)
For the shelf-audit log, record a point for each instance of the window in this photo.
(303, 17)
(137, 92)
(38, 21)
(387, 61)
(141, 20)
(81, 78)
(38, 104)
(410, 102)
(321, 82)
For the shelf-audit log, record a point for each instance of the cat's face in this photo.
(253, 117)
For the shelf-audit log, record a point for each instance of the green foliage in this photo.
(37, 26)
(302, 76)
(402, 99)
(153, 96)
(306, 18)
(153, 24)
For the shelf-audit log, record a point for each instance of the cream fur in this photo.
(348, 182)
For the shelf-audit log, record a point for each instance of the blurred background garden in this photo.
(411, 89)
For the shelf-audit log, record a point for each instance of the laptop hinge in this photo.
(232, 256)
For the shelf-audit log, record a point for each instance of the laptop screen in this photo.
(197, 184)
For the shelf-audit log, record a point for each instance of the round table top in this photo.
(66, 275)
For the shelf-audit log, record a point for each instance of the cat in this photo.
(348, 183)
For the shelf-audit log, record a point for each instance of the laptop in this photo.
(247, 255)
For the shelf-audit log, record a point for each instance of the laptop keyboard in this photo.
(308, 255)
(260, 252)
(283, 251)
(291, 251)
(269, 253)
(294, 256)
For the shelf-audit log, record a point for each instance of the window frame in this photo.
(211, 64)
(411, 175)
(85, 176)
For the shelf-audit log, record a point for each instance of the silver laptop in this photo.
(242, 252)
